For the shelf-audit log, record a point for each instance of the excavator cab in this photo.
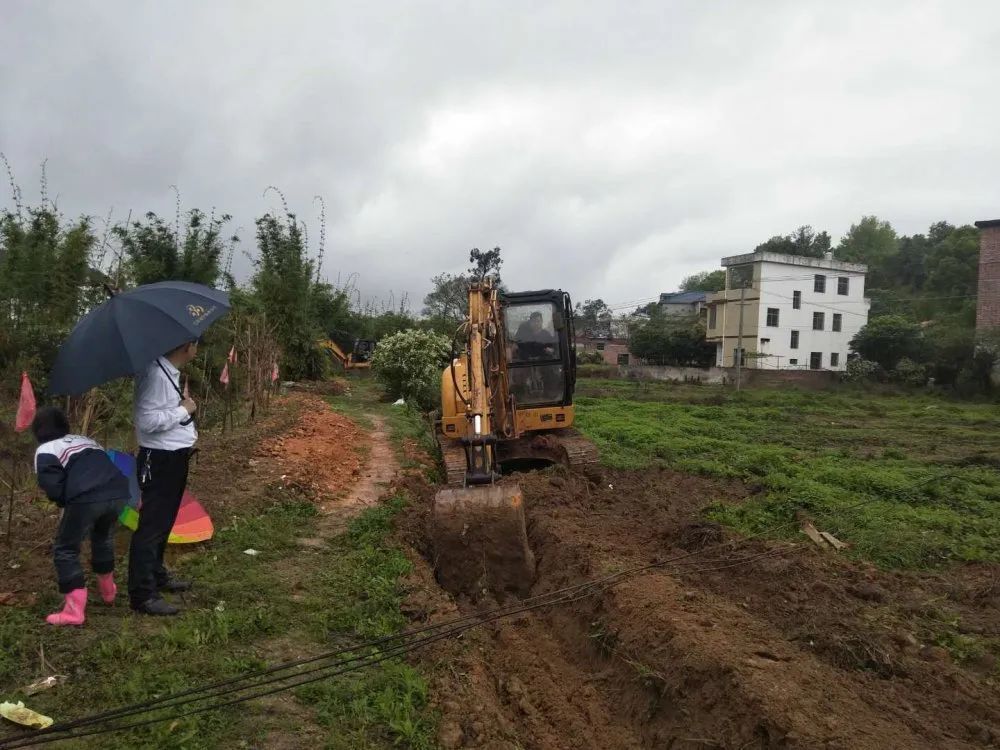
(541, 358)
(506, 405)
(364, 349)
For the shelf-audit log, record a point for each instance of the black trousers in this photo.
(162, 478)
(96, 521)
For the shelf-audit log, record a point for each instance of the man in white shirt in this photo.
(166, 434)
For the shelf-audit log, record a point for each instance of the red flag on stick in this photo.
(274, 373)
(26, 405)
(224, 377)
(233, 356)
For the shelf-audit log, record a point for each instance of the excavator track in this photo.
(581, 452)
(568, 447)
(453, 458)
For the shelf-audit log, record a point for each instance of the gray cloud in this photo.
(609, 148)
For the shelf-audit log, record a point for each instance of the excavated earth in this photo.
(734, 644)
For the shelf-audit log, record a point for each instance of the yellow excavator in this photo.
(506, 405)
(360, 357)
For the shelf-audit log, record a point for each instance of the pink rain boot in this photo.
(106, 585)
(72, 611)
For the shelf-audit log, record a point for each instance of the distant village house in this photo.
(787, 311)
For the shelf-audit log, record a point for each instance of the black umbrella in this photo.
(132, 329)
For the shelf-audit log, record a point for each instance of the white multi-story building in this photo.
(797, 312)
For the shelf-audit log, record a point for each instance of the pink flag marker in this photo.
(233, 356)
(224, 377)
(274, 373)
(26, 405)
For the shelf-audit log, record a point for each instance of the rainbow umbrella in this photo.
(193, 523)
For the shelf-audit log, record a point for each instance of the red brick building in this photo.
(988, 299)
(614, 351)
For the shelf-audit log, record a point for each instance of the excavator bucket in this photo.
(481, 542)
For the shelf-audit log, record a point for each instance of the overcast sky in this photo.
(610, 148)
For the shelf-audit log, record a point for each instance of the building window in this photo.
(712, 316)
(838, 321)
(772, 317)
(796, 300)
(740, 356)
(819, 283)
(765, 341)
(793, 361)
(843, 285)
(816, 361)
(623, 359)
(834, 359)
(600, 347)
(818, 321)
(795, 340)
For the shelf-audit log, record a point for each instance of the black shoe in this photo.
(156, 607)
(174, 586)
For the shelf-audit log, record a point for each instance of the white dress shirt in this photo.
(157, 411)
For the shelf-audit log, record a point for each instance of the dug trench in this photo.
(739, 644)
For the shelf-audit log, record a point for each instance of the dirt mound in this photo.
(750, 644)
(323, 454)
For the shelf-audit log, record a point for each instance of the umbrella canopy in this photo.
(132, 329)
(193, 524)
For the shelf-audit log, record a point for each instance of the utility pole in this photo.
(739, 348)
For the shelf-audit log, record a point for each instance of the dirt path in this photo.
(347, 469)
(379, 470)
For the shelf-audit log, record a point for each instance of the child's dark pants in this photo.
(96, 521)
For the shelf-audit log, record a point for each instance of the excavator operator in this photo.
(534, 341)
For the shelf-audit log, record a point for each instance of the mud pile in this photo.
(323, 454)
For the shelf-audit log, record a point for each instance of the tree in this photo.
(331, 309)
(803, 241)
(951, 347)
(485, 263)
(873, 242)
(887, 339)
(446, 304)
(283, 284)
(953, 262)
(46, 283)
(672, 340)
(706, 281)
(409, 364)
(777, 244)
(156, 253)
(592, 314)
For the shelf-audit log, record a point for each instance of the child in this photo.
(78, 475)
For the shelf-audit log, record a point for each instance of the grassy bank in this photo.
(924, 468)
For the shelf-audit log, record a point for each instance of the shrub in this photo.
(909, 372)
(862, 370)
(408, 364)
(887, 339)
(590, 358)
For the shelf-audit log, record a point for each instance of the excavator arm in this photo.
(346, 360)
(480, 537)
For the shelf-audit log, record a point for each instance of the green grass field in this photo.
(923, 469)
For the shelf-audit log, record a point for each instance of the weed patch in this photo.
(882, 472)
